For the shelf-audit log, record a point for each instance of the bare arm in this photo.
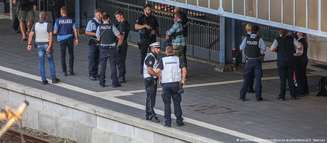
(120, 40)
(141, 26)
(90, 33)
(184, 75)
(29, 43)
(152, 72)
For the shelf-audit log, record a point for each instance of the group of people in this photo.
(108, 41)
(291, 49)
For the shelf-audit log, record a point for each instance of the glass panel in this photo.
(324, 15)
(239, 7)
(300, 13)
(193, 2)
(215, 4)
(313, 14)
(203, 3)
(263, 9)
(227, 5)
(288, 12)
(251, 8)
(276, 10)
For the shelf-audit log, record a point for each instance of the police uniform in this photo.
(285, 47)
(124, 28)
(65, 27)
(170, 80)
(145, 36)
(93, 48)
(150, 85)
(107, 34)
(254, 48)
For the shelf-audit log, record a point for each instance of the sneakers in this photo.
(180, 123)
(56, 80)
(44, 82)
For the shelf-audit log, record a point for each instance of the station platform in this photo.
(210, 104)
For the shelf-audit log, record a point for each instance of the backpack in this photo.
(322, 87)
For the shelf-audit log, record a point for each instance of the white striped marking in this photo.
(142, 107)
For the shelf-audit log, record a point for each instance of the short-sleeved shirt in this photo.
(145, 34)
(150, 61)
(64, 27)
(181, 61)
(178, 40)
(124, 28)
(262, 45)
(49, 29)
(91, 26)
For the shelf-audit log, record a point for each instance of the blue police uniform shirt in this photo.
(65, 27)
(92, 25)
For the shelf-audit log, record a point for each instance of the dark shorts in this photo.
(26, 15)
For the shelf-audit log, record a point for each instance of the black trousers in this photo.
(111, 54)
(253, 69)
(143, 52)
(122, 52)
(151, 90)
(300, 70)
(67, 45)
(286, 74)
(93, 60)
(170, 91)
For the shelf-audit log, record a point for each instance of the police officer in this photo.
(148, 28)
(124, 27)
(175, 33)
(173, 74)
(106, 34)
(254, 48)
(285, 45)
(93, 46)
(67, 37)
(150, 79)
(248, 29)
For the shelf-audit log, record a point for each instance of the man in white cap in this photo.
(150, 78)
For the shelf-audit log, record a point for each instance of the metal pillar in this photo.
(77, 13)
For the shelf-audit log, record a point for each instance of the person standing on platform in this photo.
(93, 57)
(124, 27)
(26, 11)
(107, 34)
(67, 36)
(175, 33)
(184, 20)
(254, 47)
(285, 46)
(148, 28)
(150, 80)
(44, 42)
(173, 73)
(301, 61)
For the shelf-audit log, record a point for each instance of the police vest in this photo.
(65, 26)
(41, 32)
(252, 49)
(171, 72)
(286, 49)
(107, 36)
(145, 71)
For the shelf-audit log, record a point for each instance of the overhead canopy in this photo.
(308, 16)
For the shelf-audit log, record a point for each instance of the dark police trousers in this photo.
(253, 69)
(67, 44)
(108, 52)
(93, 59)
(122, 52)
(151, 89)
(286, 73)
(170, 91)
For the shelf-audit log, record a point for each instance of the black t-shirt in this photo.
(184, 21)
(181, 61)
(124, 28)
(145, 34)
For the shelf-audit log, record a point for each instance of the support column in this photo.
(77, 13)
(227, 42)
